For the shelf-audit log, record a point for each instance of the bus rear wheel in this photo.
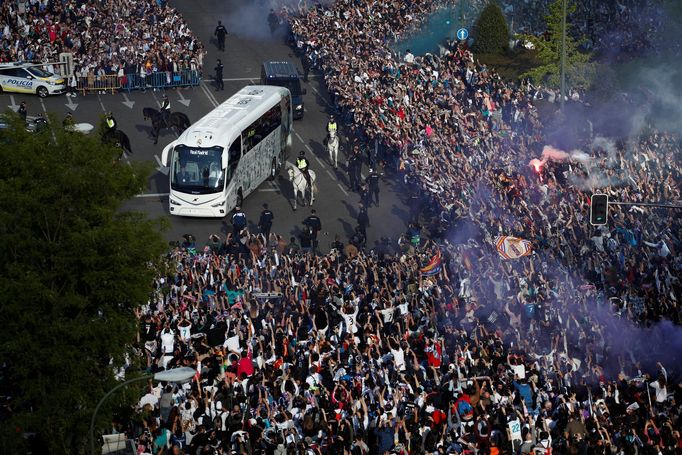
(240, 198)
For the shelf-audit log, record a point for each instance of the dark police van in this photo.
(285, 74)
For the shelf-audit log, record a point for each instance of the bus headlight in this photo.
(174, 202)
(219, 204)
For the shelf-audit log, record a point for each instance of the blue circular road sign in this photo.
(462, 34)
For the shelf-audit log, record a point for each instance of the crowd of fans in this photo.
(109, 37)
(358, 351)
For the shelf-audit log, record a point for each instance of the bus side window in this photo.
(234, 155)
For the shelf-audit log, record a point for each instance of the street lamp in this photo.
(177, 375)
(563, 54)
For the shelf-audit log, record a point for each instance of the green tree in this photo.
(492, 32)
(75, 266)
(579, 69)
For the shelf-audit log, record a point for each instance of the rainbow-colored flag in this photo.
(434, 266)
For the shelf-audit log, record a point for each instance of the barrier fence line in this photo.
(112, 83)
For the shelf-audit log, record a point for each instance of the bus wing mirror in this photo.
(224, 159)
(166, 154)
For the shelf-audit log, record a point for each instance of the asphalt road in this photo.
(248, 45)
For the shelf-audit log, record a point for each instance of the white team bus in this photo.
(224, 156)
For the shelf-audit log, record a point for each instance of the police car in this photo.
(26, 78)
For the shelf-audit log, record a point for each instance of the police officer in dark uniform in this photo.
(305, 61)
(220, 85)
(363, 219)
(238, 222)
(220, 32)
(273, 21)
(414, 199)
(354, 167)
(314, 224)
(23, 112)
(303, 166)
(265, 222)
(364, 193)
(165, 110)
(373, 182)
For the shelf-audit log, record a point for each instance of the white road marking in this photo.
(127, 102)
(209, 95)
(160, 167)
(14, 106)
(155, 98)
(273, 190)
(182, 99)
(320, 95)
(42, 104)
(237, 79)
(101, 103)
(341, 188)
(330, 174)
(153, 195)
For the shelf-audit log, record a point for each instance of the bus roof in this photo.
(224, 123)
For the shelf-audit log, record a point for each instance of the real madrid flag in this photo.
(512, 247)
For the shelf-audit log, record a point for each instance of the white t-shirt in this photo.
(661, 392)
(519, 370)
(167, 342)
(350, 320)
(399, 359)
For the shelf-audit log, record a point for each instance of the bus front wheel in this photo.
(240, 198)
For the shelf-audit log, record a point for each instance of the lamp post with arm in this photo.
(177, 375)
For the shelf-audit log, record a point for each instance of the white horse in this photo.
(300, 184)
(333, 148)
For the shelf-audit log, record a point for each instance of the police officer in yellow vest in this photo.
(302, 165)
(331, 126)
(111, 122)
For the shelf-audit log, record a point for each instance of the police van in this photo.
(285, 74)
(29, 78)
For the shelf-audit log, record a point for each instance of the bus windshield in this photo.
(197, 170)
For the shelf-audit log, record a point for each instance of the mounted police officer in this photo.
(110, 121)
(68, 120)
(302, 165)
(165, 110)
(331, 125)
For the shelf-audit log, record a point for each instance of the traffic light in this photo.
(599, 209)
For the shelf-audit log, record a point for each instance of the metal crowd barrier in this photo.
(128, 82)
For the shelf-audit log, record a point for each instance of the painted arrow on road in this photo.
(127, 102)
(71, 105)
(183, 100)
(14, 106)
(160, 167)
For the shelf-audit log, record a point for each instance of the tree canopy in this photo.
(492, 32)
(75, 266)
(579, 70)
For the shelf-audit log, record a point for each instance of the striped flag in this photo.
(433, 267)
(512, 247)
